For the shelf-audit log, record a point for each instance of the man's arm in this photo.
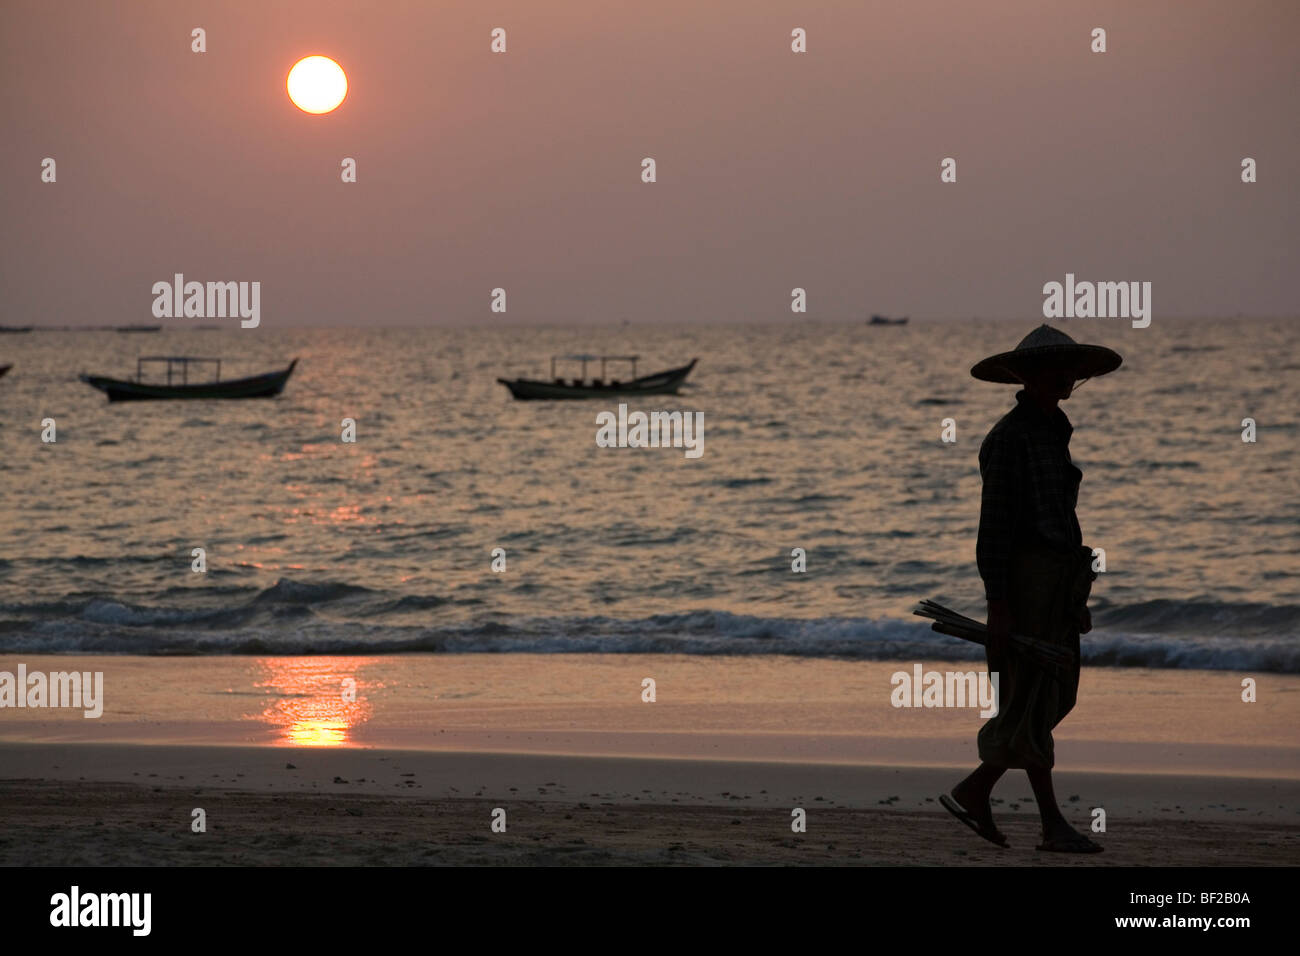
(993, 546)
(997, 516)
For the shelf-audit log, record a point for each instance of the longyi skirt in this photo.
(1048, 591)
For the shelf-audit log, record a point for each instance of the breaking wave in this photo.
(332, 618)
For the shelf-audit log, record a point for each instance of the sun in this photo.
(317, 84)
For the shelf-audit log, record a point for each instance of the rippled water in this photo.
(819, 436)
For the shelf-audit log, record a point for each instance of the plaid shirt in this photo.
(1030, 490)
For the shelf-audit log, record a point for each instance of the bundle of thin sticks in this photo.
(947, 621)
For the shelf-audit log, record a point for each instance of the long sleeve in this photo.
(993, 547)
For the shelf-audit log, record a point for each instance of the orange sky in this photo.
(775, 170)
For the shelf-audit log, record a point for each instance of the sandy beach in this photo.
(287, 771)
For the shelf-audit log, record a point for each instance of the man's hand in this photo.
(999, 629)
(1085, 620)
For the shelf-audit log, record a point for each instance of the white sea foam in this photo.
(145, 631)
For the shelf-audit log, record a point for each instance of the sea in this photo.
(461, 520)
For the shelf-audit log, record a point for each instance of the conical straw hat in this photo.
(1043, 348)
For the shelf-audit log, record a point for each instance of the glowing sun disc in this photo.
(317, 84)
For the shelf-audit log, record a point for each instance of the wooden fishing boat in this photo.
(660, 383)
(178, 367)
(3, 369)
(885, 320)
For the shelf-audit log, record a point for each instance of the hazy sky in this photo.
(775, 169)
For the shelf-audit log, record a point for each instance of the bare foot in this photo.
(976, 804)
(1060, 837)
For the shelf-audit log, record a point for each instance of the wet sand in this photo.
(289, 771)
(122, 804)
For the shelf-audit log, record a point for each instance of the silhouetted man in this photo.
(1037, 575)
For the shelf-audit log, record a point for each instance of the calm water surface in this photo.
(818, 436)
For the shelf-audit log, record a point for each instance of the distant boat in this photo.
(14, 329)
(885, 320)
(660, 383)
(3, 369)
(257, 386)
(138, 328)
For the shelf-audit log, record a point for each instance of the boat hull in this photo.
(257, 386)
(660, 383)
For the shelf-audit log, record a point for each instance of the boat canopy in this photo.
(181, 362)
(602, 359)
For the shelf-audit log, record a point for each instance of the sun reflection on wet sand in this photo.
(310, 705)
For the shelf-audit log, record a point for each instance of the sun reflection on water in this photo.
(312, 703)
